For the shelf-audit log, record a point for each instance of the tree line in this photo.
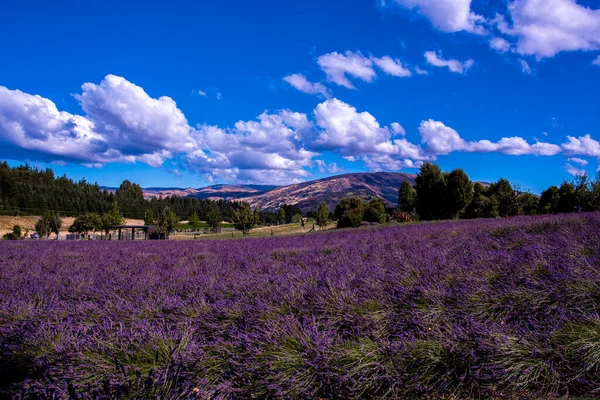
(440, 195)
(25, 190)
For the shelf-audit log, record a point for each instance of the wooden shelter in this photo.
(124, 234)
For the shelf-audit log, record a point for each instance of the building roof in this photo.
(130, 226)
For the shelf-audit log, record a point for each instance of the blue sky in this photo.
(184, 93)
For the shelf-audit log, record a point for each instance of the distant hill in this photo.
(308, 195)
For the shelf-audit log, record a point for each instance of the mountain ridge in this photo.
(306, 195)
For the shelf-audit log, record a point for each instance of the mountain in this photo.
(308, 195)
(215, 192)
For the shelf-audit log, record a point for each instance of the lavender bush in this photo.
(483, 309)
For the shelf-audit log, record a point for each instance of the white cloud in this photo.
(300, 82)
(453, 65)
(596, 61)
(268, 150)
(133, 122)
(574, 170)
(500, 44)
(33, 123)
(545, 28)
(397, 128)
(420, 71)
(332, 167)
(582, 146)
(439, 138)
(447, 15)
(200, 92)
(526, 68)
(337, 66)
(579, 161)
(353, 134)
(391, 66)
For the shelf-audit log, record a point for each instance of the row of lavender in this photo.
(494, 308)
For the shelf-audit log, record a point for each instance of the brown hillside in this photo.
(308, 195)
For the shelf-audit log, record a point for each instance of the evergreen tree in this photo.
(89, 222)
(167, 220)
(281, 215)
(322, 218)
(43, 226)
(507, 197)
(113, 217)
(549, 200)
(349, 212)
(194, 220)
(149, 217)
(214, 218)
(244, 219)
(430, 188)
(459, 193)
(375, 211)
(407, 197)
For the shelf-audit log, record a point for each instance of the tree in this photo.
(195, 220)
(214, 218)
(481, 206)
(349, 212)
(549, 200)
(507, 197)
(528, 204)
(43, 227)
(244, 219)
(49, 223)
(322, 215)
(17, 232)
(89, 222)
(459, 193)
(167, 221)
(281, 216)
(430, 188)
(149, 217)
(407, 197)
(113, 217)
(55, 224)
(567, 198)
(375, 211)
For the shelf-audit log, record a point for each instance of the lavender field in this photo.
(483, 309)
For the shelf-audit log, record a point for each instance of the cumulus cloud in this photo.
(582, 146)
(420, 71)
(270, 149)
(300, 82)
(596, 61)
(353, 134)
(391, 67)
(132, 121)
(397, 128)
(500, 44)
(441, 139)
(453, 65)
(122, 123)
(545, 28)
(339, 66)
(447, 15)
(33, 123)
